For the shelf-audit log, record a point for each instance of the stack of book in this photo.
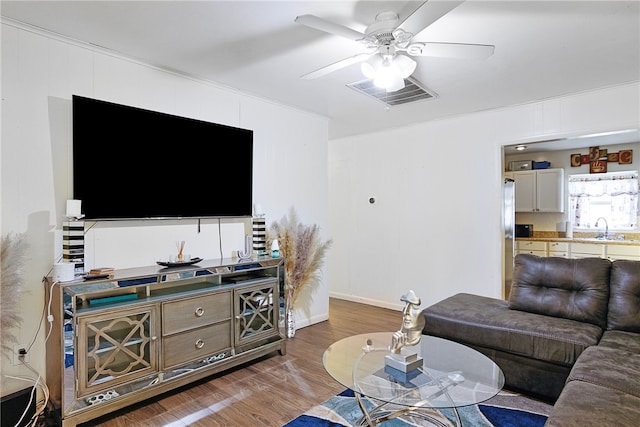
(73, 244)
(259, 236)
(101, 271)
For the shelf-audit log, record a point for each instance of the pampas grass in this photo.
(303, 251)
(12, 260)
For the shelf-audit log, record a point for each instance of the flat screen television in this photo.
(131, 163)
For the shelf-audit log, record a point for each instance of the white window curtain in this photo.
(622, 187)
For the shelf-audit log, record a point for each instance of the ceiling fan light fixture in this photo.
(405, 65)
(401, 37)
(388, 71)
(385, 38)
(388, 78)
(370, 68)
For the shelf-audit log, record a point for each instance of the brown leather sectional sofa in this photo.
(569, 333)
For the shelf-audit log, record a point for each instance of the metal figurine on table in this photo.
(409, 335)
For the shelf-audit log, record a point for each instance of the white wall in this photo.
(436, 224)
(40, 73)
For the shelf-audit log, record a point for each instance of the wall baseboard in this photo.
(368, 301)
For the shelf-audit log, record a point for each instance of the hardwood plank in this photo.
(269, 391)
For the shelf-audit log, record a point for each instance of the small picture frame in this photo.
(594, 153)
(576, 160)
(585, 159)
(612, 157)
(625, 157)
(603, 153)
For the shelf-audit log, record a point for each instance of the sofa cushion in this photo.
(488, 322)
(576, 289)
(624, 303)
(584, 404)
(609, 367)
(622, 340)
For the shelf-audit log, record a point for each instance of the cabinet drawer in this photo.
(559, 249)
(196, 344)
(531, 245)
(558, 246)
(195, 312)
(623, 252)
(585, 250)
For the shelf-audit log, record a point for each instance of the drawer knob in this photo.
(199, 312)
(199, 344)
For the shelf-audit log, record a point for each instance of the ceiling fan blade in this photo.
(337, 65)
(329, 27)
(426, 14)
(451, 50)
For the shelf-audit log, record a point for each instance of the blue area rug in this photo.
(504, 410)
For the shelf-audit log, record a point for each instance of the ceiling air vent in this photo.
(412, 92)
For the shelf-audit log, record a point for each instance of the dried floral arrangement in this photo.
(12, 261)
(303, 251)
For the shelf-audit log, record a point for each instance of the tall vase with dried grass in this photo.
(303, 251)
(12, 261)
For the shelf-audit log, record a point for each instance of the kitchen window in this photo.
(613, 196)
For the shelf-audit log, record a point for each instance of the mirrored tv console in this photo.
(143, 331)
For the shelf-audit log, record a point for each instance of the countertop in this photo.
(629, 242)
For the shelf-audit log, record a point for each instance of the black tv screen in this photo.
(132, 163)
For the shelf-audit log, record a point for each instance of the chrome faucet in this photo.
(606, 229)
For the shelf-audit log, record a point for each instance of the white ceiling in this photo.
(543, 49)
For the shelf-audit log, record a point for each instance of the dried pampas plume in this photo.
(303, 251)
(12, 262)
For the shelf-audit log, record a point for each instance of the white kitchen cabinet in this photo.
(539, 190)
(558, 249)
(615, 252)
(532, 247)
(587, 250)
(566, 249)
(525, 186)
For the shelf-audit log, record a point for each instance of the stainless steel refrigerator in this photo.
(509, 219)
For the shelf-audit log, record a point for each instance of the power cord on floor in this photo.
(45, 391)
(41, 406)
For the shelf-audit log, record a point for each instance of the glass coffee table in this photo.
(451, 376)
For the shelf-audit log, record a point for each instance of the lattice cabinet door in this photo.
(257, 312)
(116, 347)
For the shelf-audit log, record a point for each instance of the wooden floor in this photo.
(267, 392)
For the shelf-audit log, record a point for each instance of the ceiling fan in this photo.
(389, 44)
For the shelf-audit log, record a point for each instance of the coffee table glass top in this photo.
(452, 375)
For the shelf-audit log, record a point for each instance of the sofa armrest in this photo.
(624, 302)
